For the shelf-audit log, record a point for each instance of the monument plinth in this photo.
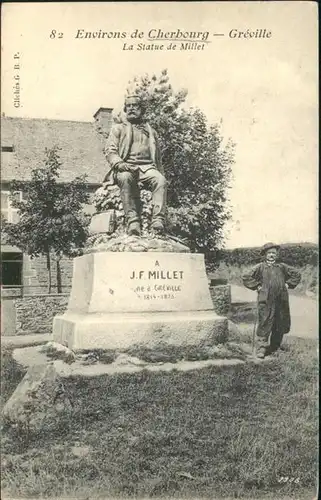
(124, 299)
(136, 286)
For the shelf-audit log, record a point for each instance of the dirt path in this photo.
(304, 311)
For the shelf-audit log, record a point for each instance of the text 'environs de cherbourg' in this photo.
(158, 39)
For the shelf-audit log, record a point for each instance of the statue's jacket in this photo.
(118, 147)
(273, 297)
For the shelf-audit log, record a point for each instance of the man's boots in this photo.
(261, 353)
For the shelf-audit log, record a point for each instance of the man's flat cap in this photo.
(268, 246)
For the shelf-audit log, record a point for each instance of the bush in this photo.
(309, 283)
(294, 254)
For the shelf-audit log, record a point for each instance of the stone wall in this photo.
(221, 297)
(35, 275)
(34, 314)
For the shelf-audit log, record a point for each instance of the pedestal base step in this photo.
(121, 331)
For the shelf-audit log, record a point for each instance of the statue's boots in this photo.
(157, 226)
(133, 229)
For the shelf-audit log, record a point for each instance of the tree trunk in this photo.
(49, 271)
(59, 284)
(192, 244)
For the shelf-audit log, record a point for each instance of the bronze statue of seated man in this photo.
(134, 157)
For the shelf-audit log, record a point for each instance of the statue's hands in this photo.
(122, 167)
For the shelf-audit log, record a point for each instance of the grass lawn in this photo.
(221, 433)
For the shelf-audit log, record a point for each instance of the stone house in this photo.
(23, 143)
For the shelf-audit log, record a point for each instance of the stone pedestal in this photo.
(125, 299)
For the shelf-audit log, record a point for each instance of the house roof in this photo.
(81, 148)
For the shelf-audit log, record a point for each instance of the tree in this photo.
(197, 166)
(51, 218)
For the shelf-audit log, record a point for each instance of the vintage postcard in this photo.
(159, 250)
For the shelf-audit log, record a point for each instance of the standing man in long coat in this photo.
(271, 279)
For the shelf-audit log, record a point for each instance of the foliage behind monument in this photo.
(197, 165)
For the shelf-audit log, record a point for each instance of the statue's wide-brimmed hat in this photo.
(268, 246)
(133, 96)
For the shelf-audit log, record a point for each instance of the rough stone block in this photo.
(103, 222)
(37, 400)
(122, 242)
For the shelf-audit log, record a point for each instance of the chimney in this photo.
(103, 120)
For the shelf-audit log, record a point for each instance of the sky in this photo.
(263, 91)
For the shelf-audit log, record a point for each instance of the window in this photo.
(11, 269)
(7, 149)
(9, 213)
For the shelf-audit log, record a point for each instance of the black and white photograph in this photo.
(159, 250)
